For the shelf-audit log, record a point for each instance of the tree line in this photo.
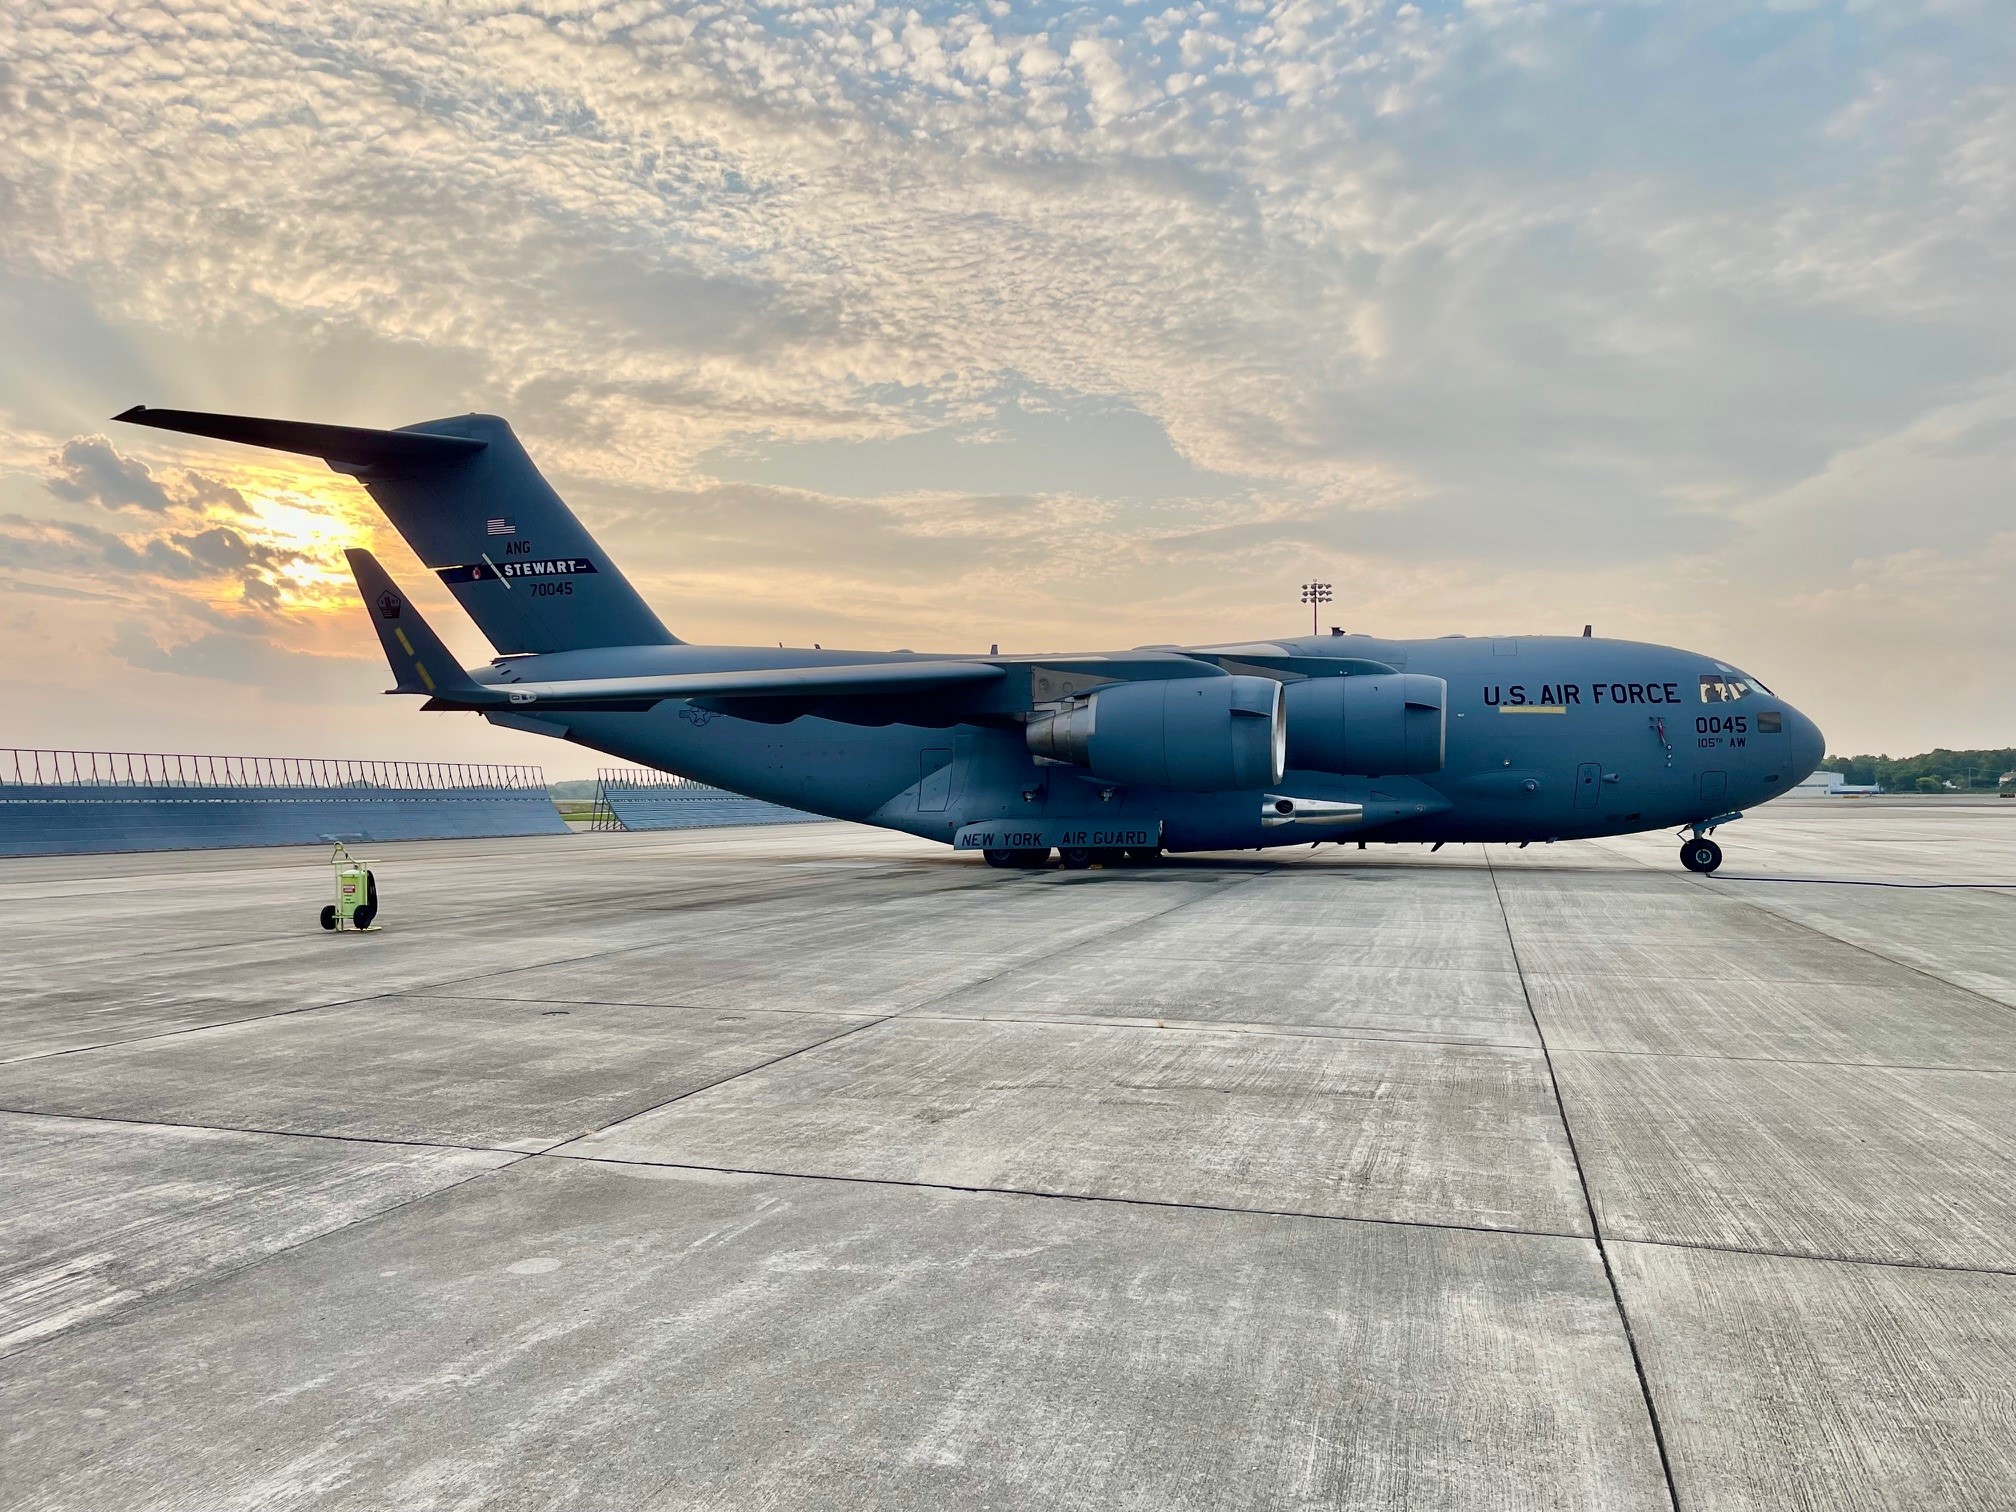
(1933, 772)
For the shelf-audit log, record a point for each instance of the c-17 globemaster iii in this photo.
(1105, 756)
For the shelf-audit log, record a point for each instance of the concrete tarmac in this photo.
(816, 1168)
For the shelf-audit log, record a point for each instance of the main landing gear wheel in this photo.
(1702, 855)
(1016, 860)
(1076, 857)
(1146, 855)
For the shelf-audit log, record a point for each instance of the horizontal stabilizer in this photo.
(420, 663)
(338, 445)
(883, 679)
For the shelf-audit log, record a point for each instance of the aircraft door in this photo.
(1588, 784)
(1714, 787)
(934, 784)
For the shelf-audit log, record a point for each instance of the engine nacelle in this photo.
(1390, 724)
(1193, 734)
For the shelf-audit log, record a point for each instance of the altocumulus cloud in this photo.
(253, 660)
(1506, 316)
(89, 470)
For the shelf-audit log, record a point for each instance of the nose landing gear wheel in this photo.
(1702, 855)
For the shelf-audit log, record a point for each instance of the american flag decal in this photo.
(501, 527)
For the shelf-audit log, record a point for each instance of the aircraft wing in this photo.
(421, 664)
(872, 679)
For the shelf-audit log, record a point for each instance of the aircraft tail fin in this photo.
(420, 662)
(468, 500)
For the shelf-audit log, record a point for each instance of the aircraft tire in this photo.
(1147, 855)
(328, 918)
(1030, 860)
(1702, 855)
(999, 858)
(1076, 857)
(1114, 856)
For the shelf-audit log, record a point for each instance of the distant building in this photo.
(1833, 785)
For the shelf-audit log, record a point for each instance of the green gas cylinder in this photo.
(356, 902)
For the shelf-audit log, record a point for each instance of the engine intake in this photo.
(1192, 734)
(1368, 726)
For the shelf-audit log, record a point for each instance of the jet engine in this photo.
(1193, 734)
(1380, 725)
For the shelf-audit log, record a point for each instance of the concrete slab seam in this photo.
(719, 1081)
(1768, 1254)
(1589, 1202)
(1204, 1026)
(1178, 1026)
(420, 990)
(224, 1273)
(560, 1153)
(1869, 950)
(1782, 1060)
(2001, 888)
(212, 1128)
(1104, 937)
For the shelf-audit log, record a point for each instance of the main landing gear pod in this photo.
(1018, 860)
(356, 905)
(1075, 857)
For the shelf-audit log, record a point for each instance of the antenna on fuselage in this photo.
(1585, 631)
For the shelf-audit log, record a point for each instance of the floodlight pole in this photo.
(1315, 594)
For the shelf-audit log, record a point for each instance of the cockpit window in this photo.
(1725, 687)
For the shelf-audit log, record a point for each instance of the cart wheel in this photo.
(328, 915)
(362, 918)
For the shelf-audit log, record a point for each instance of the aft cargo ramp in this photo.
(56, 803)
(636, 798)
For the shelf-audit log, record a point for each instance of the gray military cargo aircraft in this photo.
(1100, 757)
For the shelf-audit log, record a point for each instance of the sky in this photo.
(1056, 327)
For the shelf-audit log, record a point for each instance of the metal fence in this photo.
(25, 768)
(71, 802)
(638, 798)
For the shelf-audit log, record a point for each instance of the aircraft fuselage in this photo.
(1547, 737)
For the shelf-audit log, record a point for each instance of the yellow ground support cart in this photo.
(356, 905)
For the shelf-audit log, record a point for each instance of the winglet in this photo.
(420, 663)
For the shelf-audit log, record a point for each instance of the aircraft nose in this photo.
(1808, 747)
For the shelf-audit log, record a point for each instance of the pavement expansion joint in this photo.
(560, 1152)
(1589, 1204)
(1869, 882)
(388, 1141)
